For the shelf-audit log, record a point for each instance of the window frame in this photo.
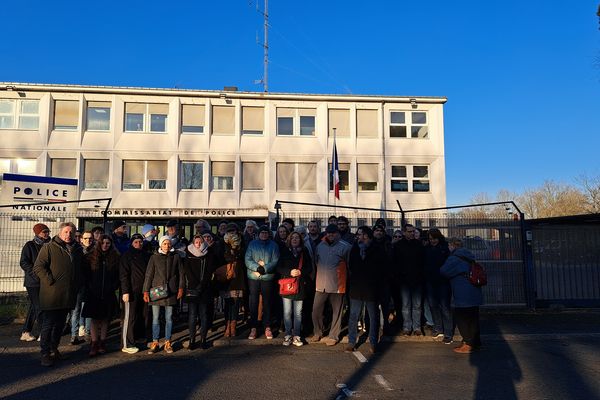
(411, 178)
(66, 128)
(296, 188)
(409, 124)
(147, 119)
(298, 115)
(17, 113)
(87, 115)
(146, 182)
(358, 182)
(202, 127)
(85, 168)
(330, 178)
(181, 176)
(242, 188)
(214, 187)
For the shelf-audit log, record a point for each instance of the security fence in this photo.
(493, 233)
(16, 224)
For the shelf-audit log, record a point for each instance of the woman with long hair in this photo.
(101, 269)
(233, 285)
(294, 262)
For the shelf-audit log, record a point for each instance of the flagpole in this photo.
(333, 172)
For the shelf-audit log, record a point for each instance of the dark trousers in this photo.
(257, 288)
(53, 323)
(439, 294)
(33, 313)
(136, 322)
(197, 312)
(337, 302)
(467, 321)
(232, 308)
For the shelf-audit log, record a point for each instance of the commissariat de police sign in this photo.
(18, 188)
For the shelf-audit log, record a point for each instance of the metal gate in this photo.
(492, 232)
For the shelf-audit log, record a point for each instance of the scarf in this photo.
(198, 252)
(363, 249)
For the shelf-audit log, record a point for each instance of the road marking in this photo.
(381, 380)
(359, 356)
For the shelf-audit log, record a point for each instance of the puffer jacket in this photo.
(59, 268)
(164, 268)
(464, 294)
(266, 250)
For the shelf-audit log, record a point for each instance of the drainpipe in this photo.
(384, 185)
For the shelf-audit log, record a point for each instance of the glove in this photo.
(261, 270)
(147, 297)
(179, 293)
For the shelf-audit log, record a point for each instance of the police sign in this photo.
(18, 188)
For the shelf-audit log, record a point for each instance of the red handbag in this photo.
(290, 286)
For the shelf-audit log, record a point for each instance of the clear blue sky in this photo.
(522, 77)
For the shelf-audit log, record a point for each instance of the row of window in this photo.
(290, 177)
(153, 118)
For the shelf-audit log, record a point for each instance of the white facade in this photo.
(225, 153)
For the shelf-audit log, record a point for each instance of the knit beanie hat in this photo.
(38, 228)
(147, 228)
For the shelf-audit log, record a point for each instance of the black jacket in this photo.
(164, 268)
(59, 268)
(435, 257)
(288, 262)
(197, 272)
(132, 272)
(28, 255)
(366, 276)
(409, 262)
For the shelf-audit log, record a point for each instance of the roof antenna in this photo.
(265, 79)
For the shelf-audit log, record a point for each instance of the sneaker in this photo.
(75, 341)
(47, 361)
(268, 333)
(297, 341)
(287, 340)
(417, 332)
(464, 349)
(331, 341)
(252, 334)
(154, 347)
(130, 350)
(447, 340)
(168, 347)
(438, 336)
(405, 332)
(27, 337)
(81, 332)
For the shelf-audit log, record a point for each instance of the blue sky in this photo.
(522, 77)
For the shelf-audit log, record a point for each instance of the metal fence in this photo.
(494, 236)
(16, 224)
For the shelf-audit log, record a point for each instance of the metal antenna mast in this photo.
(265, 45)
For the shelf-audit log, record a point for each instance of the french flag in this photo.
(335, 171)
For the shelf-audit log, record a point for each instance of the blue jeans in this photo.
(292, 307)
(439, 300)
(77, 320)
(168, 322)
(411, 307)
(372, 311)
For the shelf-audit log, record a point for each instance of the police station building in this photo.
(165, 154)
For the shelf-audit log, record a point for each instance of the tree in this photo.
(591, 190)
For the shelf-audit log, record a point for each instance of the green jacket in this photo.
(60, 273)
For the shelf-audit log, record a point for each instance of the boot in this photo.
(93, 349)
(192, 344)
(101, 347)
(203, 344)
(233, 328)
(227, 329)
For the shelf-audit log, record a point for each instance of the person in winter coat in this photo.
(132, 273)
(261, 258)
(232, 290)
(366, 268)
(101, 271)
(438, 287)
(198, 267)
(330, 282)
(466, 297)
(29, 253)
(164, 270)
(409, 261)
(58, 267)
(119, 236)
(294, 262)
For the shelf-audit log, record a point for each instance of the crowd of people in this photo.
(301, 280)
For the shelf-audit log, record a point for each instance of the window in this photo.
(222, 175)
(192, 175)
(366, 123)
(150, 118)
(63, 167)
(17, 166)
(340, 120)
(144, 175)
(253, 176)
(95, 174)
(296, 177)
(98, 116)
(405, 177)
(66, 115)
(344, 174)
(367, 177)
(26, 112)
(416, 125)
(192, 118)
(223, 122)
(292, 121)
(253, 120)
